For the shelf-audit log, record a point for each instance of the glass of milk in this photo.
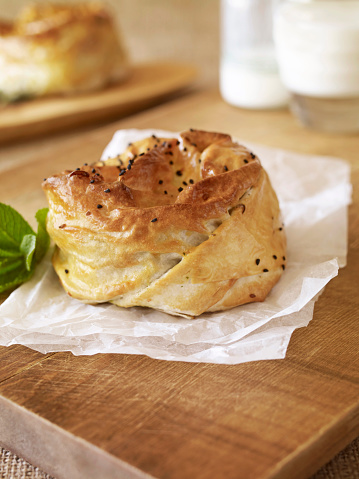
(249, 76)
(317, 45)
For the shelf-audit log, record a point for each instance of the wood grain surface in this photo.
(115, 416)
(147, 84)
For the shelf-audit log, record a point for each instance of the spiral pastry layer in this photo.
(183, 225)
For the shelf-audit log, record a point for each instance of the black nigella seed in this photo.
(160, 182)
(274, 256)
(191, 129)
(179, 173)
(245, 161)
(130, 144)
(184, 149)
(194, 144)
(280, 229)
(77, 169)
(177, 142)
(148, 149)
(99, 206)
(66, 271)
(184, 183)
(191, 181)
(141, 154)
(258, 261)
(97, 174)
(122, 172)
(92, 181)
(93, 170)
(283, 258)
(253, 155)
(154, 136)
(129, 166)
(199, 161)
(154, 220)
(265, 270)
(180, 189)
(165, 192)
(225, 168)
(155, 146)
(171, 162)
(45, 179)
(85, 164)
(169, 145)
(283, 267)
(107, 190)
(164, 143)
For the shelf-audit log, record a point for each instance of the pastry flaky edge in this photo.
(184, 226)
(60, 49)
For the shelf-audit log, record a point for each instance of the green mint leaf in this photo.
(13, 228)
(43, 238)
(7, 265)
(27, 248)
(20, 247)
(7, 242)
(14, 277)
(9, 253)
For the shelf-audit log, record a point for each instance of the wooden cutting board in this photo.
(122, 416)
(147, 85)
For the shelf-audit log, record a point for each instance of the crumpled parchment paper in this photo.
(314, 193)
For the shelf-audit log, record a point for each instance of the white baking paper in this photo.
(314, 193)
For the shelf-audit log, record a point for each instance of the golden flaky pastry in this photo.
(183, 226)
(53, 49)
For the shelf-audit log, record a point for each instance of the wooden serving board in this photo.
(122, 416)
(146, 85)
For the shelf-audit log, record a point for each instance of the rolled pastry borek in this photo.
(57, 49)
(183, 225)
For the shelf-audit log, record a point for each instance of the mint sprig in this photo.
(20, 247)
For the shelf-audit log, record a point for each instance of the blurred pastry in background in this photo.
(59, 49)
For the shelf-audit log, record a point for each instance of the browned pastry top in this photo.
(203, 199)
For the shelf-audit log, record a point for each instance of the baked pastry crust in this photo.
(59, 49)
(189, 226)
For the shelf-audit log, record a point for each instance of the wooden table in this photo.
(119, 416)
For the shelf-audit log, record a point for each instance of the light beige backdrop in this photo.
(182, 30)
